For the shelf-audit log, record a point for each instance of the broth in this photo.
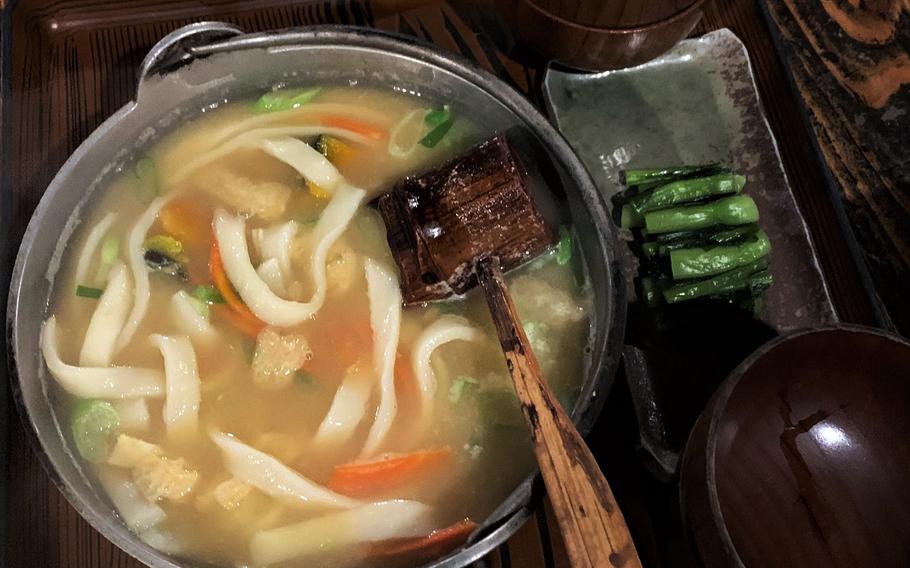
(475, 428)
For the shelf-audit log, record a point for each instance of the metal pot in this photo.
(200, 66)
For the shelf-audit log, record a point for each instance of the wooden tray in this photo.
(65, 65)
(850, 68)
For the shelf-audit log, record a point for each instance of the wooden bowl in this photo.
(596, 35)
(802, 457)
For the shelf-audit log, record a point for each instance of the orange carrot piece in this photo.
(434, 545)
(243, 319)
(346, 123)
(361, 479)
(244, 324)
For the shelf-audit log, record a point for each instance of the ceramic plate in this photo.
(697, 104)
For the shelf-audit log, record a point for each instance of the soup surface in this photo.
(235, 363)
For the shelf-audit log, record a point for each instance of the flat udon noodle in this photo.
(270, 272)
(272, 477)
(230, 233)
(107, 320)
(372, 522)
(140, 271)
(308, 162)
(181, 405)
(275, 242)
(189, 320)
(137, 512)
(252, 139)
(91, 245)
(385, 320)
(98, 382)
(445, 329)
(134, 414)
(347, 411)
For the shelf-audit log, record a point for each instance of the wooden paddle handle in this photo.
(592, 525)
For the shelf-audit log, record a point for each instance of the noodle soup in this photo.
(236, 364)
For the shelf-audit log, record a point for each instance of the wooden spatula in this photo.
(465, 223)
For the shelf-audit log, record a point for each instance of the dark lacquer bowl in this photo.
(593, 36)
(802, 457)
(208, 63)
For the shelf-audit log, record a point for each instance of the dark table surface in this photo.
(73, 62)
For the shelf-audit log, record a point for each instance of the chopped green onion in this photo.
(93, 424)
(146, 182)
(88, 292)
(207, 294)
(285, 99)
(440, 121)
(109, 250)
(564, 248)
(436, 117)
(461, 386)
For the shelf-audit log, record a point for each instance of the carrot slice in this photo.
(353, 125)
(360, 479)
(240, 314)
(434, 545)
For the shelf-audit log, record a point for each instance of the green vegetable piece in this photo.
(207, 294)
(166, 245)
(741, 278)
(564, 248)
(630, 218)
(735, 210)
(713, 236)
(436, 117)
(461, 386)
(701, 262)
(688, 190)
(109, 249)
(146, 180)
(436, 134)
(641, 176)
(285, 99)
(94, 423)
(88, 292)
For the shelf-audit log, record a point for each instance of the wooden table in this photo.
(73, 83)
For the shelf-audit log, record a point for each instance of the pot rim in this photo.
(520, 504)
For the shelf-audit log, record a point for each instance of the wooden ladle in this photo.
(463, 224)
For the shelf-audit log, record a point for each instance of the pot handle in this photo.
(660, 457)
(177, 48)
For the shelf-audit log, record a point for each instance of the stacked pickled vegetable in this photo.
(696, 235)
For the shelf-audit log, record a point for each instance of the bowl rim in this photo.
(714, 414)
(523, 498)
(642, 28)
